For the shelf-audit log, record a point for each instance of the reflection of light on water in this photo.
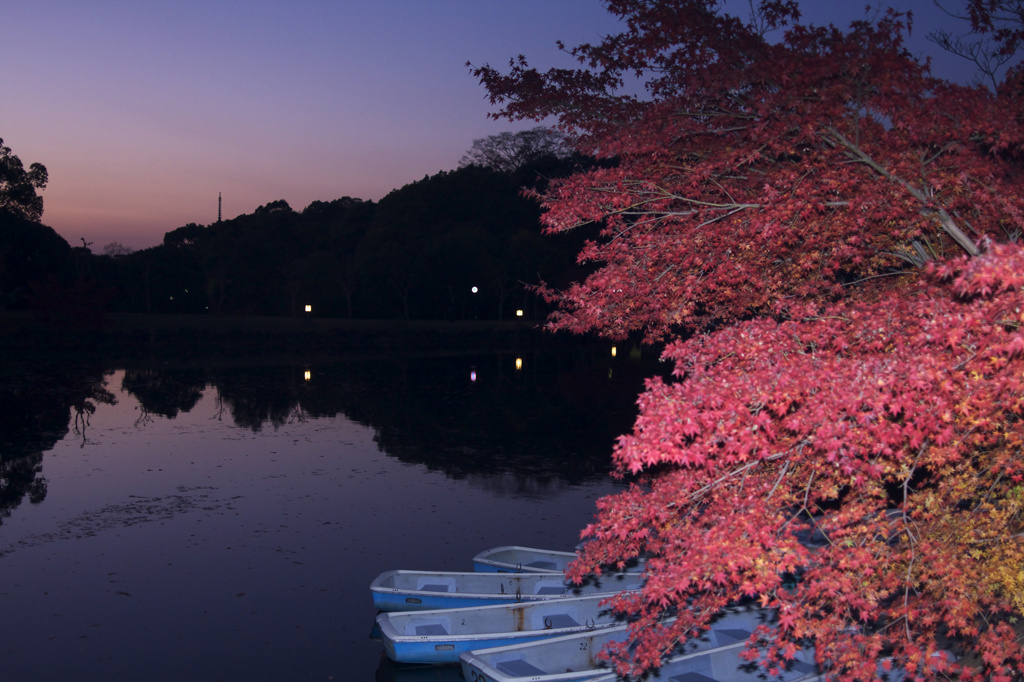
(519, 363)
(528, 486)
(226, 513)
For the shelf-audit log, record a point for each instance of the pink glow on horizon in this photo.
(143, 112)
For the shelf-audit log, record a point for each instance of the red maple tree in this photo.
(825, 236)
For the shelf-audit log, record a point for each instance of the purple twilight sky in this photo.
(143, 111)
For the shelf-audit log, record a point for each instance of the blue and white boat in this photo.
(516, 559)
(723, 664)
(570, 657)
(575, 657)
(425, 590)
(440, 636)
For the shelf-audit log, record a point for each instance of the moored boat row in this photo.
(531, 625)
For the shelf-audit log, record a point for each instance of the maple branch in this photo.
(940, 214)
(665, 272)
(901, 273)
(732, 206)
(778, 480)
(919, 256)
(910, 474)
(988, 493)
(807, 492)
(906, 591)
(988, 541)
(961, 365)
(940, 152)
(700, 492)
(716, 112)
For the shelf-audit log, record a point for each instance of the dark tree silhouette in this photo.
(29, 251)
(509, 152)
(18, 186)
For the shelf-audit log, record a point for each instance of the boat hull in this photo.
(423, 590)
(560, 659)
(516, 559)
(724, 663)
(575, 657)
(441, 636)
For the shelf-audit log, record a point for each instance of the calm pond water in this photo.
(211, 521)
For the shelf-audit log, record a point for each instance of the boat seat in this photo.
(725, 636)
(692, 677)
(436, 587)
(431, 629)
(517, 667)
(560, 620)
(549, 565)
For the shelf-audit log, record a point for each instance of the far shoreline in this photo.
(28, 335)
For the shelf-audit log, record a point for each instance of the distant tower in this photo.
(218, 206)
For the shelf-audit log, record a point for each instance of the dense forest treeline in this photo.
(461, 244)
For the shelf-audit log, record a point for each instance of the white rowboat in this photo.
(425, 590)
(440, 636)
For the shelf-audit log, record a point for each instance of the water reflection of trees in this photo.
(522, 431)
(259, 396)
(166, 391)
(40, 404)
(554, 420)
(557, 418)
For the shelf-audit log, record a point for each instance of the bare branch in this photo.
(940, 215)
